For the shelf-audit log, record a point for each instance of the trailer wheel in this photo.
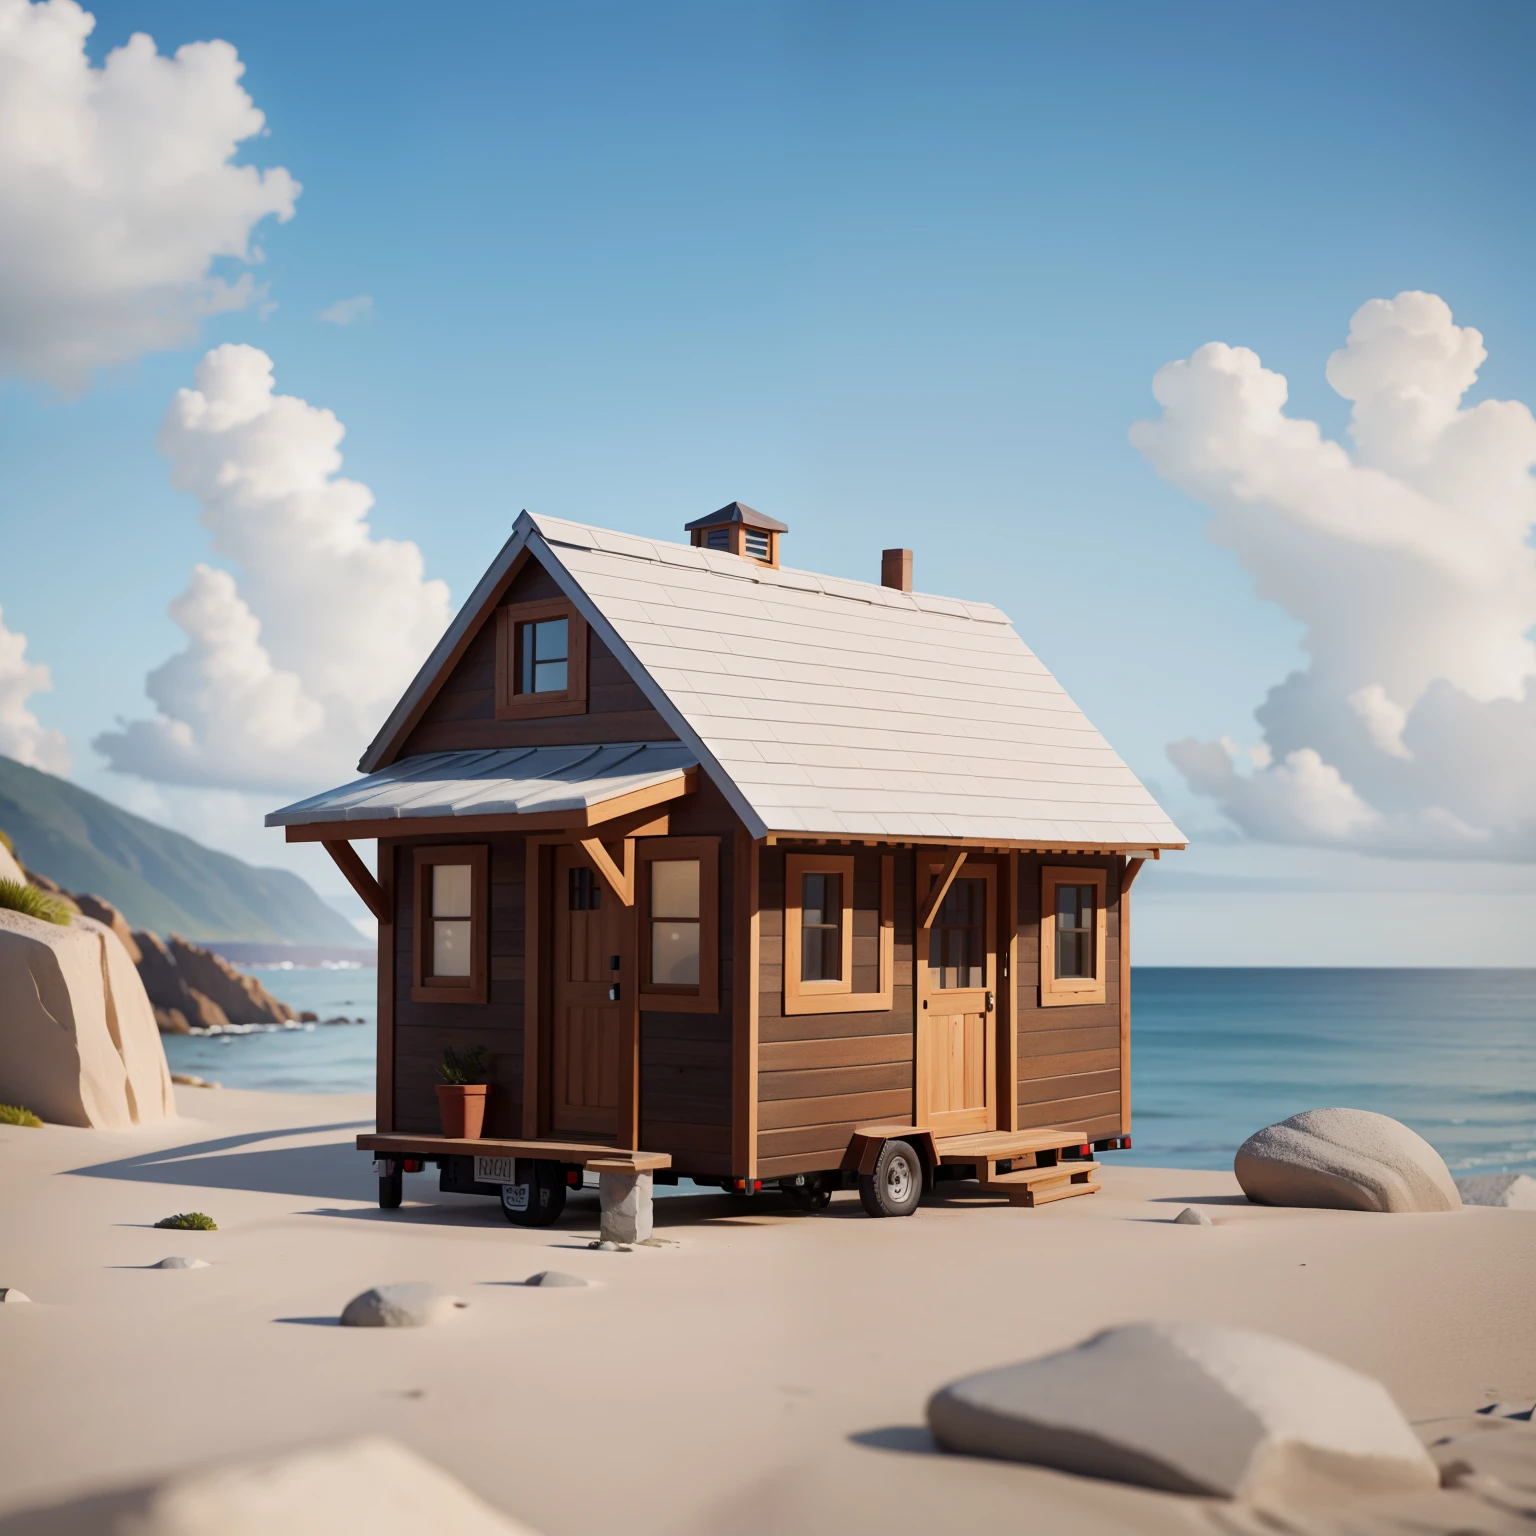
(813, 1195)
(391, 1189)
(538, 1203)
(896, 1185)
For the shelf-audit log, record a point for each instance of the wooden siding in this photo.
(1069, 1057)
(462, 716)
(819, 1074)
(422, 1030)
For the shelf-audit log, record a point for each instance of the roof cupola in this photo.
(737, 529)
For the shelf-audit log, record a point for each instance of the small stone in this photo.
(554, 1277)
(1513, 1191)
(9, 1293)
(176, 1261)
(406, 1304)
(1190, 1217)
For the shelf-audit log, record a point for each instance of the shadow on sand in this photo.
(338, 1171)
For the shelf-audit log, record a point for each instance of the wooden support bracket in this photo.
(931, 902)
(358, 877)
(620, 881)
(1132, 869)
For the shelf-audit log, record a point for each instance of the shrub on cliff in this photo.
(31, 902)
(14, 1114)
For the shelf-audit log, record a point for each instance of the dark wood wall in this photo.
(820, 1074)
(422, 1030)
(462, 716)
(1069, 1057)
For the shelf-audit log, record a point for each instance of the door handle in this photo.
(613, 993)
(991, 1002)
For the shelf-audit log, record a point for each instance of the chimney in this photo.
(737, 529)
(896, 569)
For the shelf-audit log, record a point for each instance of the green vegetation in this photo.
(14, 1114)
(28, 900)
(190, 1221)
(158, 879)
(461, 1067)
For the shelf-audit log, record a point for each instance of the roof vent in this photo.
(737, 529)
(896, 569)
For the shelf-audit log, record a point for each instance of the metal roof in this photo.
(737, 512)
(500, 782)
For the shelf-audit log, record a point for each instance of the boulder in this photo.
(78, 1042)
(555, 1277)
(1194, 1408)
(1347, 1160)
(243, 998)
(9, 868)
(203, 1012)
(408, 1304)
(625, 1201)
(172, 1021)
(105, 913)
(9, 1295)
(1514, 1191)
(369, 1484)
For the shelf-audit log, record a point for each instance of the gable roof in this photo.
(825, 706)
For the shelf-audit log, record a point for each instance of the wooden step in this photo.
(999, 1146)
(1039, 1186)
(1034, 1197)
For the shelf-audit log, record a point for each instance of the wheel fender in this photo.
(922, 1143)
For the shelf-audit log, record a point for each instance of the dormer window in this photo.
(740, 530)
(757, 544)
(717, 538)
(541, 660)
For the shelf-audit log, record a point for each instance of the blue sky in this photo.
(894, 274)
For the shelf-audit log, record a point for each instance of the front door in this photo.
(586, 1026)
(957, 1009)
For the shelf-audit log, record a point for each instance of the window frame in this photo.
(1065, 991)
(474, 988)
(655, 997)
(802, 997)
(572, 699)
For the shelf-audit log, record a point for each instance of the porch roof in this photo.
(511, 781)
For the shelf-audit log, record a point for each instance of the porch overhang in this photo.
(521, 789)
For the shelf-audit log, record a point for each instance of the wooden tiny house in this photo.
(744, 874)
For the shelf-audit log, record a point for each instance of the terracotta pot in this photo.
(462, 1107)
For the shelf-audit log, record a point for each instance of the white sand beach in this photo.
(767, 1373)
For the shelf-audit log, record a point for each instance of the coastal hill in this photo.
(158, 879)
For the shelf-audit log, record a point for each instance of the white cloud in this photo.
(287, 675)
(22, 735)
(117, 193)
(345, 311)
(1413, 727)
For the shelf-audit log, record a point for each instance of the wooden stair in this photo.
(1034, 1171)
(1039, 1186)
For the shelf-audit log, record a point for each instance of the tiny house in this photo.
(744, 874)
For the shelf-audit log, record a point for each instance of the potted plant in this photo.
(461, 1094)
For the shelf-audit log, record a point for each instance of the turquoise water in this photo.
(1215, 1055)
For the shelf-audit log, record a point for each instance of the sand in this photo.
(766, 1372)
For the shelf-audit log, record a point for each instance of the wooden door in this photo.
(590, 977)
(957, 1001)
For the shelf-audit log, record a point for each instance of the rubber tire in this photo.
(548, 1202)
(896, 1185)
(814, 1195)
(391, 1190)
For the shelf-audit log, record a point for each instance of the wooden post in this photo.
(1128, 873)
(384, 1072)
(1008, 995)
(744, 1006)
(532, 887)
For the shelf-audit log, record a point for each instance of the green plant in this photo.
(32, 902)
(461, 1067)
(190, 1221)
(14, 1114)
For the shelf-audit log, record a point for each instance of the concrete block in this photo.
(627, 1206)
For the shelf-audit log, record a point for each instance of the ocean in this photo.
(1215, 1055)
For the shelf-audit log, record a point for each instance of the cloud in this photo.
(1412, 730)
(22, 735)
(288, 673)
(117, 193)
(345, 311)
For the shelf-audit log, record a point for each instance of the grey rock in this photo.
(627, 1206)
(9, 1293)
(176, 1261)
(1190, 1217)
(554, 1277)
(1513, 1191)
(1193, 1408)
(406, 1304)
(1347, 1160)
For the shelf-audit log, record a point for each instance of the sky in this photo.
(1194, 338)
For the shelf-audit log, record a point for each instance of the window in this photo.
(585, 891)
(957, 940)
(678, 896)
(1073, 928)
(717, 538)
(838, 957)
(541, 660)
(756, 544)
(450, 909)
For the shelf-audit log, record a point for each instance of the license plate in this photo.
(495, 1170)
(515, 1196)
